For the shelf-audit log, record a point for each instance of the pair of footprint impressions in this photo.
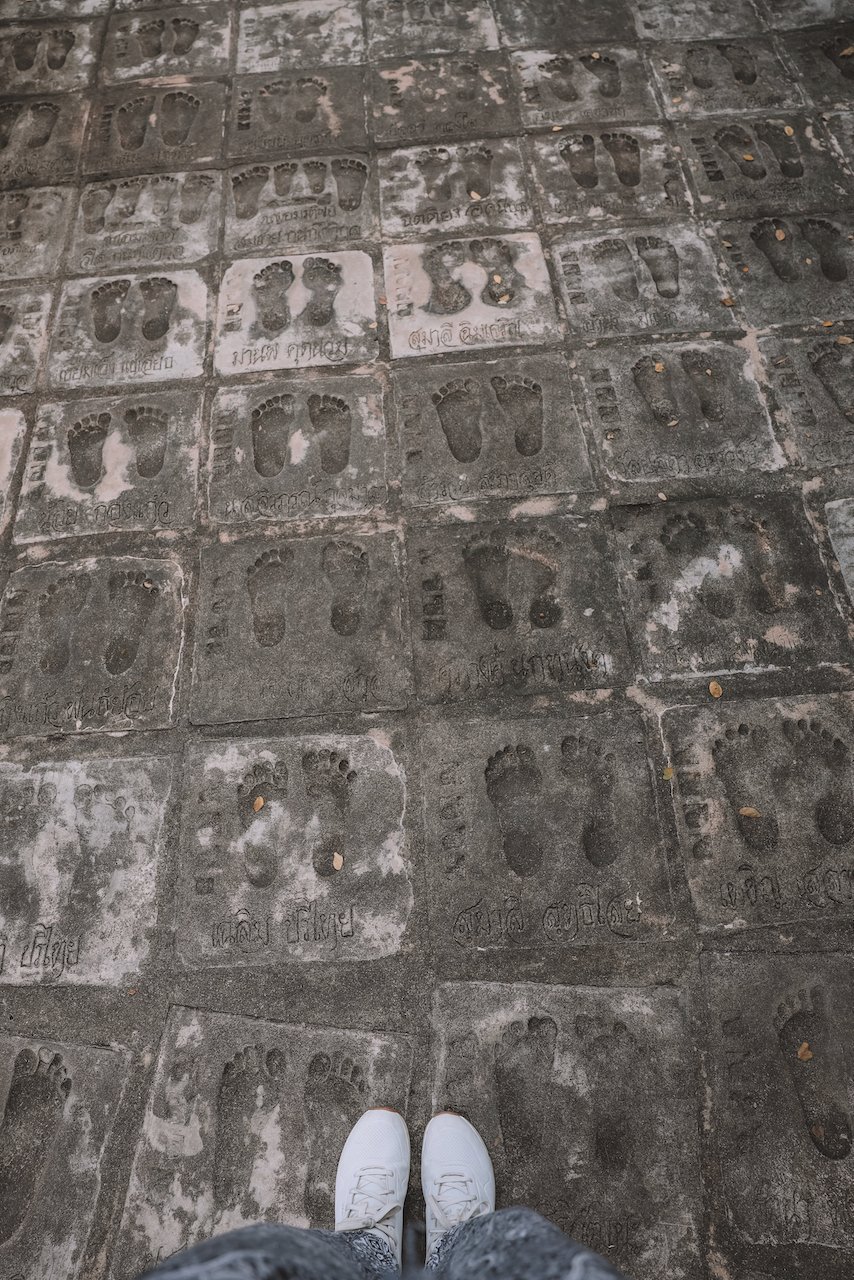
(532, 566)
(321, 278)
(26, 48)
(146, 426)
(294, 180)
(788, 252)
(461, 81)
(658, 380)
(496, 258)
(278, 104)
(461, 404)
(115, 203)
(710, 65)
(176, 37)
(346, 568)
(472, 170)
(328, 781)
(28, 125)
(562, 72)
(132, 597)
(743, 150)
(273, 420)
(110, 307)
(658, 256)
(580, 154)
(172, 114)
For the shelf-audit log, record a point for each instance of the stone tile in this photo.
(702, 78)
(460, 187)
(295, 1091)
(603, 174)
(812, 376)
(272, 116)
(756, 167)
(79, 868)
(129, 329)
(765, 809)
(95, 466)
(787, 269)
(637, 279)
(715, 18)
(438, 99)
(503, 429)
(785, 15)
(32, 230)
(318, 870)
(610, 1071)
(688, 412)
(840, 527)
(147, 220)
(841, 129)
(296, 312)
(43, 136)
(91, 644)
(48, 59)
(177, 40)
(726, 585)
(780, 1135)
(297, 449)
(396, 30)
(139, 127)
(822, 63)
(60, 1101)
(556, 23)
(300, 203)
(13, 427)
(483, 293)
(23, 328)
(524, 847)
(32, 10)
(302, 33)
(523, 610)
(337, 599)
(586, 83)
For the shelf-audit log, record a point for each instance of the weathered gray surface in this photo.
(426, 562)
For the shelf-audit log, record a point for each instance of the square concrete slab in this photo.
(841, 129)
(320, 110)
(706, 78)
(296, 312)
(13, 428)
(31, 10)
(636, 279)
(32, 230)
(460, 187)
(177, 40)
(303, 33)
(812, 376)
(90, 644)
(788, 14)
(710, 20)
(556, 23)
(145, 126)
(297, 449)
(726, 586)
(41, 138)
(503, 429)
(455, 295)
(522, 610)
(396, 30)
(762, 166)
(95, 466)
(79, 868)
(588, 82)
(608, 1069)
(129, 329)
(59, 1103)
(790, 268)
(840, 527)
(439, 99)
(23, 332)
(38, 59)
(299, 627)
(299, 203)
(143, 221)
(584, 177)
(678, 411)
(524, 848)
(823, 64)
(779, 1042)
(765, 808)
(245, 1121)
(294, 849)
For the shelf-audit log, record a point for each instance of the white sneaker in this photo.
(456, 1175)
(372, 1177)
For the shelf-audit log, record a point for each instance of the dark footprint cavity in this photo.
(350, 177)
(158, 302)
(266, 582)
(522, 401)
(329, 783)
(838, 51)
(147, 428)
(824, 768)
(579, 153)
(132, 600)
(106, 305)
(785, 148)
(177, 116)
(335, 1097)
(830, 245)
(270, 286)
(698, 62)
(590, 771)
(315, 175)
(606, 72)
(271, 427)
(708, 383)
(513, 785)
(346, 568)
(263, 786)
(741, 61)
(308, 93)
(58, 45)
(322, 278)
(184, 33)
(132, 120)
(275, 103)
(195, 194)
(149, 37)
(32, 1122)
(42, 122)
(559, 74)
(252, 1080)
(447, 295)
(487, 565)
(742, 150)
(85, 440)
(836, 374)
(246, 188)
(283, 177)
(614, 259)
(774, 239)
(25, 48)
(503, 281)
(9, 113)
(59, 606)
(331, 419)
(651, 376)
(7, 322)
(127, 198)
(816, 1064)
(624, 151)
(94, 203)
(524, 1078)
(662, 262)
(434, 165)
(537, 563)
(476, 163)
(458, 407)
(741, 756)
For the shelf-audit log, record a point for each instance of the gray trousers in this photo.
(513, 1244)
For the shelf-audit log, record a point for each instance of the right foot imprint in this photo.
(31, 1124)
(350, 177)
(591, 772)
(836, 374)
(266, 582)
(322, 278)
(774, 238)
(346, 568)
(147, 428)
(177, 115)
(487, 565)
(513, 782)
(331, 418)
(739, 755)
(817, 1067)
(158, 302)
(662, 262)
(132, 599)
(522, 401)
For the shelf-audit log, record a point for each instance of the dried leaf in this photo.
(659, 366)
(668, 773)
(779, 235)
(258, 804)
(805, 1053)
(846, 53)
(675, 101)
(827, 324)
(746, 156)
(789, 131)
(598, 55)
(727, 244)
(747, 811)
(727, 302)
(497, 278)
(662, 497)
(337, 862)
(383, 300)
(844, 341)
(715, 689)
(474, 195)
(674, 422)
(505, 297)
(556, 128)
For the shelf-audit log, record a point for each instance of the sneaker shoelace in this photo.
(372, 1202)
(454, 1199)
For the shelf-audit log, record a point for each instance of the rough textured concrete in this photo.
(427, 540)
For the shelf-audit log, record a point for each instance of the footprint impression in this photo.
(133, 597)
(334, 1097)
(329, 783)
(264, 785)
(461, 404)
(523, 1073)
(59, 606)
(346, 568)
(816, 1062)
(31, 1124)
(251, 1084)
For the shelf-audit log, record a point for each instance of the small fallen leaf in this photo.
(497, 278)
(505, 297)
(846, 53)
(805, 1053)
(668, 773)
(474, 195)
(383, 300)
(675, 101)
(727, 244)
(659, 366)
(779, 235)
(708, 373)
(715, 689)
(337, 862)
(789, 131)
(598, 55)
(828, 324)
(132, 991)
(674, 422)
(747, 811)
(746, 156)
(727, 302)
(258, 804)
(662, 497)
(745, 270)
(556, 128)
(844, 341)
